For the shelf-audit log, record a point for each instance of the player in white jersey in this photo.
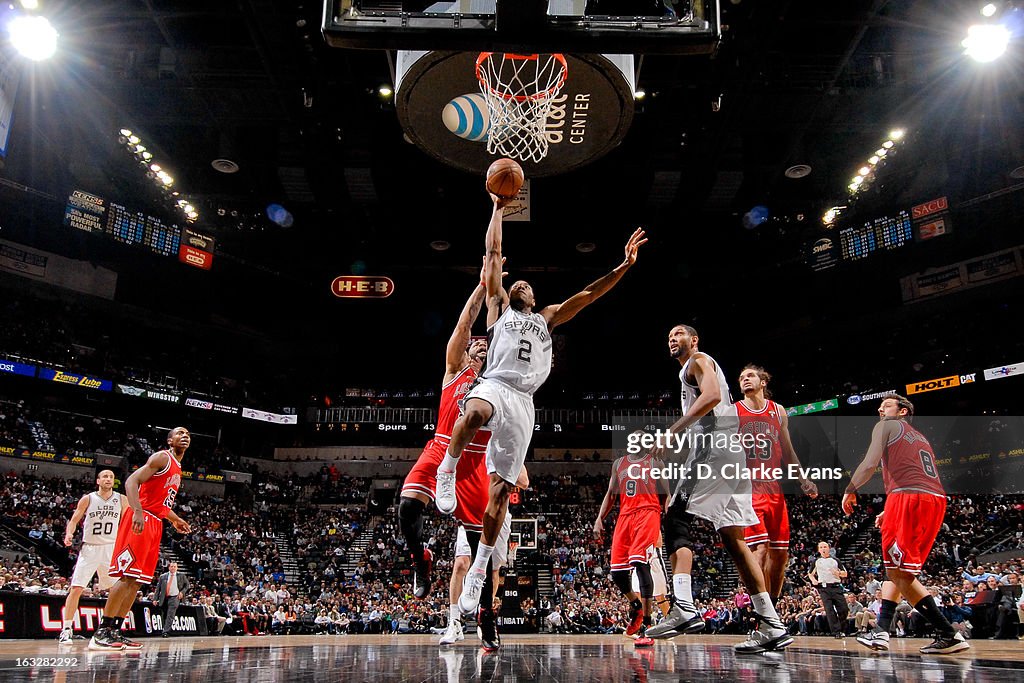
(721, 494)
(518, 362)
(100, 512)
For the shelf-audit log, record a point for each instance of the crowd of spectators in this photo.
(352, 576)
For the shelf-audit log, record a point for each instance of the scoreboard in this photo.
(90, 213)
(885, 232)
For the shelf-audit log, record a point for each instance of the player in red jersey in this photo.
(151, 491)
(637, 532)
(914, 509)
(766, 420)
(463, 360)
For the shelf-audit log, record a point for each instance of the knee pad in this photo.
(410, 519)
(643, 575)
(622, 580)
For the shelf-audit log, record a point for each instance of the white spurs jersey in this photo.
(519, 351)
(99, 525)
(690, 393)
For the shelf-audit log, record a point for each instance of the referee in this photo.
(827, 575)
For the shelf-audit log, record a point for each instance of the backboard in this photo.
(564, 26)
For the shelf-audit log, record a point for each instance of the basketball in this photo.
(504, 178)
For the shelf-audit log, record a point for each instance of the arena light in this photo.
(881, 152)
(986, 42)
(888, 144)
(30, 4)
(385, 91)
(864, 170)
(34, 37)
(639, 94)
(857, 180)
(989, 10)
(126, 133)
(874, 160)
(897, 134)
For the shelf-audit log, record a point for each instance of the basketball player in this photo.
(724, 501)
(764, 418)
(463, 360)
(463, 559)
(150, 491)
(915, 506)
(637, 531)
(101, 511)
(518, 362)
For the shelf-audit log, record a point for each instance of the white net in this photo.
(519, 90)
(513, 546)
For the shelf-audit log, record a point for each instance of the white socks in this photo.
(483, 554)
(681, 588)
(454, 614)
(762, 603)
(448, 464)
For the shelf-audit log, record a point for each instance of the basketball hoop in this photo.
(519, 91)
(513, 546)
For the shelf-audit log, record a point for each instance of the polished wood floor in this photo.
(582, 659)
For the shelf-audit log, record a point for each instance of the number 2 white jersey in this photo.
(101, 519)
(690, 393)
(519, 351)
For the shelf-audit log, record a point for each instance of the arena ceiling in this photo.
(793, 82)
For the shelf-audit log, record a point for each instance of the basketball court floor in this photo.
(542, 657)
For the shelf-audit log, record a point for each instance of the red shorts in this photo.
(772, 522)
(135, 555)
(636, 536)
(909, 527)
(471, 482)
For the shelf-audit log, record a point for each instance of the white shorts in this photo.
(93, 559)
(511, 427)
(717, 490)
(500, 556)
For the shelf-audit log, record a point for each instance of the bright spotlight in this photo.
(639, 94)
(874, 160)
(881, 152)
(385, 91)
(125, 132)
(888, 144)
(988, 10)
(134, 139)
(30, 4)
(139, 149)
(830, 217)
(986, 42)
(34, 37)
(897, 134)
(857, 180)
(155, 168)
(864, 170)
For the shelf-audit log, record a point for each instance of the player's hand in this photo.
(849, 502)
(878, 520)
(500, 202)
(67, 540)
(636, 240)
(138, 521)
(809, 488)
(598, 528)
(181, 526)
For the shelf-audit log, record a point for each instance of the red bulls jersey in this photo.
(766, 426)
(908, 463)
(448, 412)
(637, 489)
(157, 495)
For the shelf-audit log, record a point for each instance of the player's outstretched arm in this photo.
(866, 470)
(455, 353)
(497, 297)
(80, 510)
(789, 455)
(556, 314)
